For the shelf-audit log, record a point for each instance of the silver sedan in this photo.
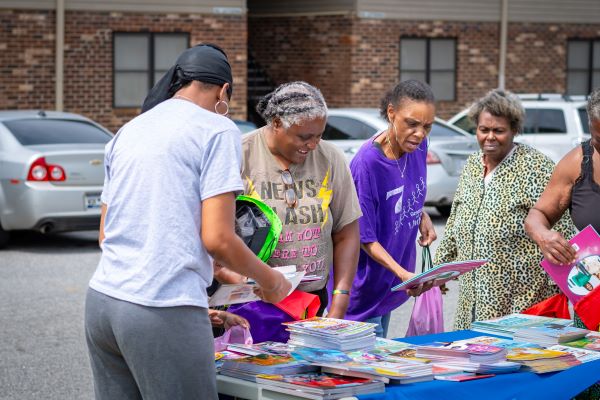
(51, 172)
(449, 148)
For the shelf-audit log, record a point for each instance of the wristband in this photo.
(341, 291)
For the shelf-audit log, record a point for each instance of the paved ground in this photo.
(42, 288)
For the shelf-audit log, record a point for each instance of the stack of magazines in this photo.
(509, 324)
(550, 334)
(590, 342)
(319, 385)
(541, 361)
(331, 333)
(366, 365)
(248, 368)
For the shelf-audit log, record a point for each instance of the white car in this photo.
(554, 124)
(449, 148)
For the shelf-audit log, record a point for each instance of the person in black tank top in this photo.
(574, 185)
(585, 196)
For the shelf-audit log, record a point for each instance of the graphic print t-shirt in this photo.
(327, 202)
(391, 195)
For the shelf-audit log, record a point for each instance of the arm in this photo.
(427, 230)
(225, 275)
(102, 216)
(346, 244)
(226, 319)
(549, 208)
(220, 240)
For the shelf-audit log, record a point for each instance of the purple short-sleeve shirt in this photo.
(391, 194)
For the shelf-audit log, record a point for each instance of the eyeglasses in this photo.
(291, 198)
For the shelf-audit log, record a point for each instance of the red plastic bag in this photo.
(427, 315)
(236, 334)
(556, 306)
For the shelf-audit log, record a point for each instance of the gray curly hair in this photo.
(593, 106)
(292, 103)
(500, 103)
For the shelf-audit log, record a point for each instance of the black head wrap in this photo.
(204, 62)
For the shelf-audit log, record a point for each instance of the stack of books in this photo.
(581, 355)
(248, 368)
(319, 385)
(507, 325)
(331, 333)
(542, 361)
(549, 334)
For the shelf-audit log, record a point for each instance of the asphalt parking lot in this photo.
(43, 280)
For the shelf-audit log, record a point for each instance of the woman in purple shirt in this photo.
(389, 172)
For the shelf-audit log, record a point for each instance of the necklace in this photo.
(182, 97)
(396, 159)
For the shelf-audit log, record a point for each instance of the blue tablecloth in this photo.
(516, 386)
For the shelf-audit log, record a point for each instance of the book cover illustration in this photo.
(441, 273)
(578, 279)
(530, 353)
(590, 342)
(313, 355)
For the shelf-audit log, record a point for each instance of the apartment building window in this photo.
(140, 60)
(432, 61)
(583, 66)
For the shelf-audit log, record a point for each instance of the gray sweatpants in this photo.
(149, 353)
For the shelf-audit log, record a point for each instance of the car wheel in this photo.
(3, 237)
(444, 210)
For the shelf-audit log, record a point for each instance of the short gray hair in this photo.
(593, 106)
(292, 103)
(500, 103)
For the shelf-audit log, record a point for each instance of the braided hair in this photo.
(292, 103)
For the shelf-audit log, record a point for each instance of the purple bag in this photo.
(428, 314)
(236, 334)
(265, 320)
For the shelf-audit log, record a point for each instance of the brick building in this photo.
(100, 58)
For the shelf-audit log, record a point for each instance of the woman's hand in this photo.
(275, 289)
(427, 230)
(556, 248)
(226, 319)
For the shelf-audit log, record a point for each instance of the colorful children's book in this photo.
(578, 279)
(441, 273)
(590, 342)
(507, 325)
(319, 385)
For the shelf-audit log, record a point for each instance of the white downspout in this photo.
(503, 40)
(60, 55)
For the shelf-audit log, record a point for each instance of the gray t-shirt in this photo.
(159, 168)
(327, 202)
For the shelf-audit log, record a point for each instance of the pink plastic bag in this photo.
(427, 316)
(428, 313)
(236, 334)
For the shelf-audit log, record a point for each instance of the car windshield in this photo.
(30, 132)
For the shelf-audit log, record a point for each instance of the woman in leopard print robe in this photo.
(498, 186)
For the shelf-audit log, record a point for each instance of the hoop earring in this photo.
(226, 107)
